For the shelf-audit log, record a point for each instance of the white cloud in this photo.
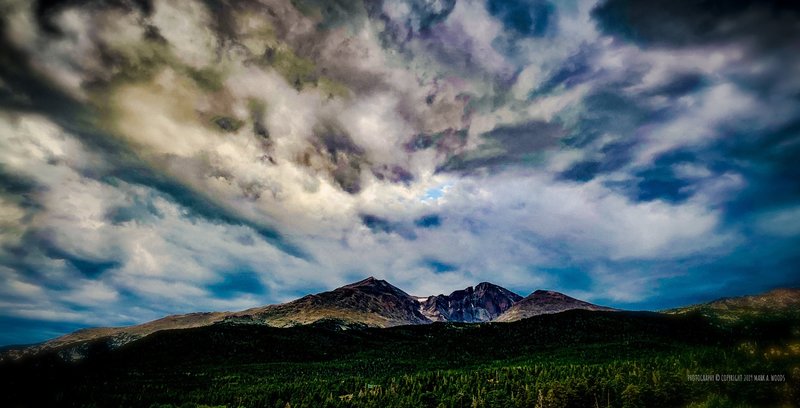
(590, 219)
(186, 25)
(11, 221)
(91, 293)
(781, 223)
(168, 257)
(626, 286)
(719, 105)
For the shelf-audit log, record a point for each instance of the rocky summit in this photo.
(483, 303)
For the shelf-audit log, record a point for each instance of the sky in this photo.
(161, 157)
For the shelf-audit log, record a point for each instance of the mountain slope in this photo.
(482, 303)
(117, 336)
(545, 302)
(376, 303)
(371, 302)
(777, 302)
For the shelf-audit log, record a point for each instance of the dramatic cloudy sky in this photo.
(161, 156)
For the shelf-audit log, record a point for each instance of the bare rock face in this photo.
(545, 302)
(483, 303)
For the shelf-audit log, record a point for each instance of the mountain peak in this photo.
(374, 286)
(370, 281)
(546, 302)
(485, 285)
(481, 303)
(372, 302)
(542, 294)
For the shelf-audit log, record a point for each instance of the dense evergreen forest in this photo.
(571, 359)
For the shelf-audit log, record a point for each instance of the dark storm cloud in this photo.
(525, 17)
(345, 155)
(383, 225)
(763, 265)
(660, 181)
(508, 145)
(526, 138)
(680, 85)
(689, 23)
(611, 157)
(11, 183)
(88, 267)
(574, 70)
(444, 142)
(768, 161)
(394, 174)
(46, 9)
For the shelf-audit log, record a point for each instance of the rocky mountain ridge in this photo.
(368, 303)
(482, 303)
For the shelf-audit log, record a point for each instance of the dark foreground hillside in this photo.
(572, 359)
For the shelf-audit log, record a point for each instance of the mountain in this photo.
(371, 302)
(777, 302)
(483, 303)
(545, 302)
(368, 303)
(318, 364)
(376, 303)
(308, 365)
(72, 344)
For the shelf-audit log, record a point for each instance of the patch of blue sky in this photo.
(435, 193)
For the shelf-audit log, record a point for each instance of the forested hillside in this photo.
(570, 359)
